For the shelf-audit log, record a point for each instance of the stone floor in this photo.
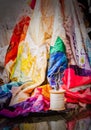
(70, 119)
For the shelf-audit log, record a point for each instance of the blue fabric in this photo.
(5, 93)
(57, 64)
(7, 87)
(4, 98)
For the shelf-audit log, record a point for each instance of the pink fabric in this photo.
(83, 96)
(72, 80)
(36, 103)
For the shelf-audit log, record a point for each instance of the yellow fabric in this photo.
(31, 62)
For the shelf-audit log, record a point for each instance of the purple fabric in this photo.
(33, 104)
(81, 72)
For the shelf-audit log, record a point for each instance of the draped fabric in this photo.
(51, 47)
(57, 63)
(80, 46)
(10, 14)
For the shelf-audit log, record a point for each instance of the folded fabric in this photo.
(4, 99)
(83, 96)
(57, 63)
(72, 80)
(39, 101)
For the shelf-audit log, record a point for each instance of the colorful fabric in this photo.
(39, 101)
(78, 57)
(6, 93)
(71, 81)
(18, 36)
(83, 96)
(57, 63)
(52, 48)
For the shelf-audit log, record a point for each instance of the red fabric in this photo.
(83, 96)
(32, 4)
(71, 80)
(19, 34)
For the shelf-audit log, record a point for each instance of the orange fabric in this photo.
(18, 36)
(44, 90)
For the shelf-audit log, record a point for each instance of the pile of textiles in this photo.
(50, 49)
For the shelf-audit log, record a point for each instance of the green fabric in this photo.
(58, 46)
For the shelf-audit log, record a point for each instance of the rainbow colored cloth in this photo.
(46, 49)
